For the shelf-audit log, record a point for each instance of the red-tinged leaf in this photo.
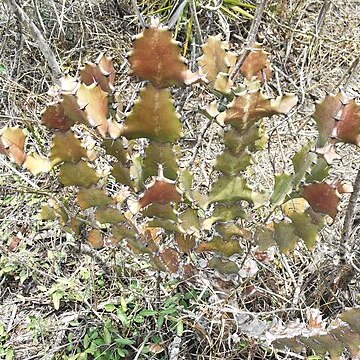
(322, 197)
(37, 164)
(190, 272)
(255, 62)
(215, 58)
(87, 198)
(225, 267)
(116, 149)
(249, 269)
(152, 238)
(72, 109)
(153, 234)
(12, 141)
(221, 246)
(322, 340)
(66, 148)
(326, 113)
(107, 67)
(170, 257)
(95, 239)
(80, 174)
(160, 192)
(156, 57)
(315, 320)
(113, 241)
(14, 243)
(263, 256)
(348, 128)
(108, 215)
(185, 242)
(283, 104)
(53, 117)
(95, 102)
(102, 73)
(156, 348)
(265, 74)
(153, 117)
(250, 106)
(76, 226)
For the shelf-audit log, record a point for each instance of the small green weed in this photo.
(6, 350)
(101, 343)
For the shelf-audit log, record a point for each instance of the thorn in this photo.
(83, 108)
(160, 171)
(342, 102)
(312, 97)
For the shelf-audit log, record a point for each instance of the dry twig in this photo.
(352, 205)
(350, 217)
(44, 47)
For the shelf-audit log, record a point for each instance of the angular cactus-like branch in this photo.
(216, 63)
(342, 334)
(339, 118)
(178, 223)
(156, 57)
(101, 73)
(162, 195)
(256, 64)
(153, 117)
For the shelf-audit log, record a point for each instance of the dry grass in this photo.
(212, 311)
